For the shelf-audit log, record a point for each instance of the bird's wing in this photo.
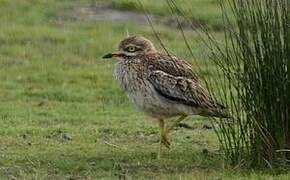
(170, 65)
(183, 90)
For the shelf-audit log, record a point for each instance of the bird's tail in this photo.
(218, 110)
(221, 113)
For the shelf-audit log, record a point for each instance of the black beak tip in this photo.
(109, 55)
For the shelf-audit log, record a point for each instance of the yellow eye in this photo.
(131, 49)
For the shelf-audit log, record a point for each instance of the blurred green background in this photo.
(63, 115)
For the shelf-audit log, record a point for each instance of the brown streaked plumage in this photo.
(161, 85)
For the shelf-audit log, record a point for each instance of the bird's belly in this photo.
(152, 104)
(158, 106)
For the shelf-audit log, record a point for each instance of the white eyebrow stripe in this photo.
(132, 45)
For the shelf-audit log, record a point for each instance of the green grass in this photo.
(206, 12)
(63, 116)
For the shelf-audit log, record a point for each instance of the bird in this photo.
(161, 85)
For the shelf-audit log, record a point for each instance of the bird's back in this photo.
(169, 64)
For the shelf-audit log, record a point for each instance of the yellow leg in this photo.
(165, 131)
(175, 123)
(163, 137)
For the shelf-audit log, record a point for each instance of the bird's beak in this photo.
(111, 55)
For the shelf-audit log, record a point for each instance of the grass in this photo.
(63, 116)
(258, 50)
(200, 11)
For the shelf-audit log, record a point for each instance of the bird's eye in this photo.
(131, 49)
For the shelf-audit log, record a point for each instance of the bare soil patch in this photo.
(107, 13)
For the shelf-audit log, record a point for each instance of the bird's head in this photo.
(132, 46)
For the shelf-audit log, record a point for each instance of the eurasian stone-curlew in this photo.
(161, 85)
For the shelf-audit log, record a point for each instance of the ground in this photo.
(62, 114)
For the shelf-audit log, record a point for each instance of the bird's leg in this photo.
(175, 123)
(164, 132)
(163, 137)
